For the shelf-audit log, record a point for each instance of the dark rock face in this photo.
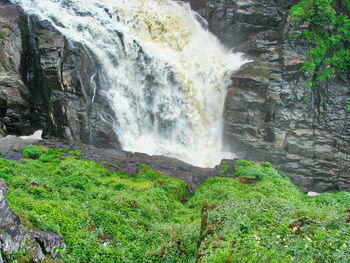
(268, 114)
(49, 83)
(14, 106)
(13, 237)
(236, 21)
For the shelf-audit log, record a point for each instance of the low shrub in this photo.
(116, 217)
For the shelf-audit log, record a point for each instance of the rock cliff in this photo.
(50, 83)
(268, 113)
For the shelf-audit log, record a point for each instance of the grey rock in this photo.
(46, 83)
(266, 116)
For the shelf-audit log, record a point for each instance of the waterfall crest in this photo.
(167, 75)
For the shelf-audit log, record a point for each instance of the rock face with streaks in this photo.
(268, 114)
(46, 83)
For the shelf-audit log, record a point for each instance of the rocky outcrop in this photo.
(113, 159)
(50, 83)
(237, 21)
(14, 237)
(15, 114)
(129, 162)
(269, 114)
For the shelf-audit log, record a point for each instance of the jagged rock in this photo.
(46, 83)
(237, 21)
(13, 237)
(14, 106)
(46, 243)
(10, 236)
(266, 115)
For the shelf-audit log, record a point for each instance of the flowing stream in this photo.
(167, 74)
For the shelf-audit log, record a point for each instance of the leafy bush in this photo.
(33, 151)
(328, 33)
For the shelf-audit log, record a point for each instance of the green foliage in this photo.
(103, 216)
(4, 35)
(75, 153)
(347, 109)
(2, 155)
(6, 26)
(33, 151)
(249, 169)
(328, 32)
(271, 221)
(225, 167)
(115, 217)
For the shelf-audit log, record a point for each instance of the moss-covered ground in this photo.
(115, 217)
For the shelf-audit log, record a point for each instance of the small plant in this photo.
(3, 35)
(6, 26)
(225, 168)
(243, 162)
(33, 151)
(75, 153)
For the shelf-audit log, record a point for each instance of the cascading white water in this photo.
(167, 74)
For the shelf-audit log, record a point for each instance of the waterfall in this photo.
(167, 74)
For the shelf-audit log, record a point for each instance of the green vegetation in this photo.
(115, 217)
(6, 26)
(33, 151)
(328, 33)
(4, 35)
(4, 31)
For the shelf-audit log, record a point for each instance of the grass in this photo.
(116, 217)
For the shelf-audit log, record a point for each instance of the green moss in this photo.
(116, 217)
